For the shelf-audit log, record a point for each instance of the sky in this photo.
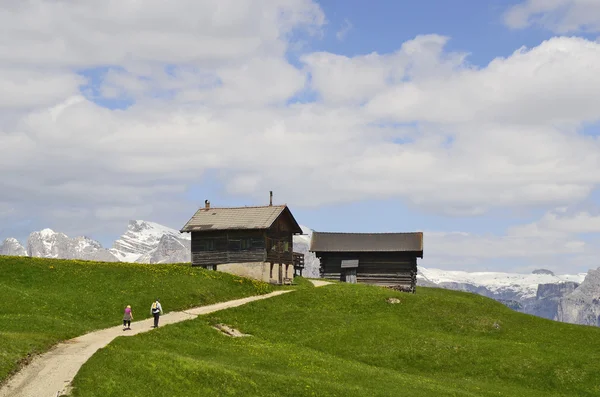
(474, 122)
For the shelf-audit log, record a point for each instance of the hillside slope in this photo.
(45, 301)
(539, 293)
(347, 340)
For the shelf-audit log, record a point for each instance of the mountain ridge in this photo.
(563, 297)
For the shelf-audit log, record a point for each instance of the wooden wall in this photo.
(279, 242)
(212, 248)
(379, 268)
(219, 247)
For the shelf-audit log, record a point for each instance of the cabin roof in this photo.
(238, 218)
(366, 242)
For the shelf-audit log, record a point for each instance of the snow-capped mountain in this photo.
(12, 246)
(502, 285)
(142, 242)
(570, 298)
(538, 293)
(50, 244)
(142, 237)
(301, 245)
(170, 249)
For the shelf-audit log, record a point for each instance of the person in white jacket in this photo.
(156, 311)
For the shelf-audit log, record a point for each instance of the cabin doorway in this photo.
(348, 273)
(350, 276)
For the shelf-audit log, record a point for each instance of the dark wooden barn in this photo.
(387, 259)
(250, 241)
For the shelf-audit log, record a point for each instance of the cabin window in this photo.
(246, 244)
(279, 246)
(243, 244)
(235, 245)
(274, 245)
(258, 243)
(206, 245)
(221, 244)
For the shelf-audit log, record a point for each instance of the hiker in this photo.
(156, 311)
(127, 317)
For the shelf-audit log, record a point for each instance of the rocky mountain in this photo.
(142, 237)
(548, 299)
(539, 293)
(569, 298)
(543, 271)
(582, 305)
(301, 245)
(170, 249)
(142, 242)
(50, 244)
(11, 246)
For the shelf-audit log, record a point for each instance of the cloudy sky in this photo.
(476, 123)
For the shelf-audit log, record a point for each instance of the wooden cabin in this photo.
(253, 242)
(386, 259)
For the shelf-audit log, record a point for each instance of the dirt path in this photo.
(319, 283)
(52, 372)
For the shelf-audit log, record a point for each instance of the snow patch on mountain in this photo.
(522, 285)
(142, 237)
(49, 244)
(170, 249)
(12, 246)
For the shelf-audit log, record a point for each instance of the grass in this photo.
(44, 301)
(299, 283)
(346, 340)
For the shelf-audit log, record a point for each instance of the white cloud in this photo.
(560, 16)
(556, 223)
(420, 124)
(553, 83)
(560, 241)
(495, 157)
(26, 88)
(341, 79)
(120, 32)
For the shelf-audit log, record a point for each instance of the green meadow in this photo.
(346, 340)
(44, 301)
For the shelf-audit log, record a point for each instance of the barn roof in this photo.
(238, 218)
(366, 242)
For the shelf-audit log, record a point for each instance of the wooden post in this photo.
(280, 273)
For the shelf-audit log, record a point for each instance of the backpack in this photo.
(154, 307)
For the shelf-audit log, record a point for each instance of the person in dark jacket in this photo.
(156, 311)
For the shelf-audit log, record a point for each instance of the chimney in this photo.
(270, 198)
(206, 204)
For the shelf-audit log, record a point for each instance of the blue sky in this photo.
(474, 26)
(504, 154)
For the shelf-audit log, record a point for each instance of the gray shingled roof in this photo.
(236, 218)
(366, 242)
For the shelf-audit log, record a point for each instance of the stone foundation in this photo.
(257, 270)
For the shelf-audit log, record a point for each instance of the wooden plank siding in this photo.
(379, 268)
(219, 247)
(279, 241)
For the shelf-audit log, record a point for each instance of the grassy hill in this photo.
(44, 301)
(346, 340)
